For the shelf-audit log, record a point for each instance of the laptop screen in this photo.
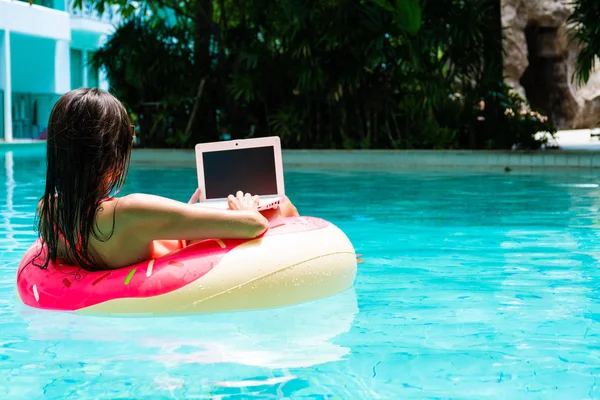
(249, 170)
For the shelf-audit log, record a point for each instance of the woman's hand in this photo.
(243, 201)
(195, 197)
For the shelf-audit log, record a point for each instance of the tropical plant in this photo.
(317, 73)
(150, 68)
(585, 29)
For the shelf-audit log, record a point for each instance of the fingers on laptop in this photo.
(232, 202)
(242, 201)
(251, 201)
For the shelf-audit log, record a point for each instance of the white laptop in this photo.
(251, 165)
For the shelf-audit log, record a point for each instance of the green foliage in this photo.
(150, 68)
(317, 73)
(585, 29)
(406, 13)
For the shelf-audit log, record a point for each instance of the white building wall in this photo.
(62, 67)
(5, 81)
(39, 60)
(20, 17)
(3, 60)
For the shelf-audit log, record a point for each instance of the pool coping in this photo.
(399, 158)
(18, 144)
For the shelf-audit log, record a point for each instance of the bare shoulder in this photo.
(120, 216)
(140, 203)
(139, 209)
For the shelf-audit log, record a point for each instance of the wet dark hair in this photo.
(88, 149)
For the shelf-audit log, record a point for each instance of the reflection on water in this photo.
(291, 337)
(270, 341)
(475, 285)
(9, 210)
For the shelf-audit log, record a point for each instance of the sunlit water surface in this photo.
(475, 285)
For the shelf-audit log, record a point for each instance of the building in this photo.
(44, 52)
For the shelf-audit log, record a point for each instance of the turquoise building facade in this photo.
(44, 53)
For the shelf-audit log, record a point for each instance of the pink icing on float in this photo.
(297, 259)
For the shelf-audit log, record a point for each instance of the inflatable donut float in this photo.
(298, 259)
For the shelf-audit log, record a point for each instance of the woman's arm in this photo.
(157, 218)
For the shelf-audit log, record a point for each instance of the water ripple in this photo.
(475, 285)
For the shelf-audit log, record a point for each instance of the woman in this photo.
(89, 144)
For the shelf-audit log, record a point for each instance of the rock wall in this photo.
(539, 62)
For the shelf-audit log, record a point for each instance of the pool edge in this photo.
(399, 158)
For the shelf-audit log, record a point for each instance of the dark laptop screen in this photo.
(249, 170)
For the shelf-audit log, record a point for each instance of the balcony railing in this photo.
(88, 11)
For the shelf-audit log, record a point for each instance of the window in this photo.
(92, 73)
(76, 69)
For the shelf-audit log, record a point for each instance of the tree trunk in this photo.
(495, 123)
(202, 118)
(202, 36)
(190, 124)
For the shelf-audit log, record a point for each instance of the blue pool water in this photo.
(475, 285)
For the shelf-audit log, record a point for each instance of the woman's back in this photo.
(143, 226)
(89, 144)
(120, 250)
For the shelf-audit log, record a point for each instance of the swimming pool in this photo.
(475, 285)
